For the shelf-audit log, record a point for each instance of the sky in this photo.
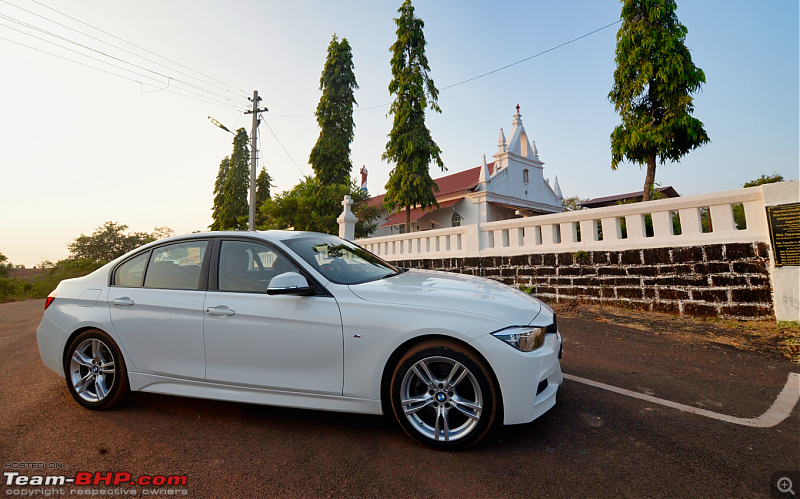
(79, 147)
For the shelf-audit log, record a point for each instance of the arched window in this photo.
(525, 176)
(456, 220)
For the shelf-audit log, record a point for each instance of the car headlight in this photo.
(525, 339)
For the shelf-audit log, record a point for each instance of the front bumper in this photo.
(522, 376)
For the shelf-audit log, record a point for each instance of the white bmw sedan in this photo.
(300, 319)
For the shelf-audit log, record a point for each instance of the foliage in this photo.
(315, 207)
(237, 183)
(5, 265)
(411, 147)
(738, 209)
(653, 86)
(12, 289)
(330, 157)
(573, 203)
(109, 241)
(162, 233)
(263, 185)
(764, 179)
(219, 195)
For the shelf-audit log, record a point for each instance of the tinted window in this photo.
(176, 266)
(130, 273)
(340, 261)
(245, 266)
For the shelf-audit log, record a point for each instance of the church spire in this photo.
(517, 118)
(501, 141)
(484, 177)
(557, 189)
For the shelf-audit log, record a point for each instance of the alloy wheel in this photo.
(441, 399)
(92, 370)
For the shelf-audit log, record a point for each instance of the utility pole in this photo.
(253, 155)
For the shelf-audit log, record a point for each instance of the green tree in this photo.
(330, 156)
(411, 147)
(263, 185)
(234, 211)
(309, 204)
(219, 194)
(572, 203)
(109, 241)
(738, 209)
(653, 86)
(764, 179)
(5, 265)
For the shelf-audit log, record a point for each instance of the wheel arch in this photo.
(401, 349)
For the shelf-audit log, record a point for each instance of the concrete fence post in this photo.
(347, 221)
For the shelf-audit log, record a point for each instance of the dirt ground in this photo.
(764, 337)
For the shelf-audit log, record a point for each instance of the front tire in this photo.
(443, 395)
(95, 370)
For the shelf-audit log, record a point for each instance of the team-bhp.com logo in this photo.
(97, 478)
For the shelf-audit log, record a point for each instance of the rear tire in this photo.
(443, 395)
(95, 371)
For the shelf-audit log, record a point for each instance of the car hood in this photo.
(457, 292)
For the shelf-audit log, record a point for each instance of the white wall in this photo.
(535, 234)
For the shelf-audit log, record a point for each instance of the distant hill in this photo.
(27, 274)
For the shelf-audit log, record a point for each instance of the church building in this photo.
(511, 186)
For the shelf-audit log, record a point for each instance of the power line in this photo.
(531, 57)
(468, 79)
(284, 149)
(138, 47)
(107, 43)
(116, 74)
(30, 26)
(116, 66)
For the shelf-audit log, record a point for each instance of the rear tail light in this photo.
(50, 298)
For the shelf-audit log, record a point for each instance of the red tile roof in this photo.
(456, 182)
(417, 213)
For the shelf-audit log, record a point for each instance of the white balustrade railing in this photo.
(593, 229)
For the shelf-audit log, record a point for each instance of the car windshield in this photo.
(340, 261)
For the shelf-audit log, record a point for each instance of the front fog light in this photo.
(524, 339)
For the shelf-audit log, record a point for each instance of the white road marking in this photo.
(779, 410)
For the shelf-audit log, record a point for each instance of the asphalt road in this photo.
(594, 443)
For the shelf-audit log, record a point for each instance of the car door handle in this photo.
(219, 311)
(122, 302)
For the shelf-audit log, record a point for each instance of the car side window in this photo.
(249, 267)
(176, 266)
(130, 273)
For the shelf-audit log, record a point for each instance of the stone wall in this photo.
(723, 280)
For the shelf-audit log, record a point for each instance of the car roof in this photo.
(268, 235)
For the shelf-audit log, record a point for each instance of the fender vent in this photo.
(542, 387)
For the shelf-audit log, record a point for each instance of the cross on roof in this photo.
(517, 108)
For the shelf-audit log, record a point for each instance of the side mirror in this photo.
(290, 283)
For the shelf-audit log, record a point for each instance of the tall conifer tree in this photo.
(330, 157)
(653, 86)
(263, 185)
(219, 185)
(411, 147)
(234, 210)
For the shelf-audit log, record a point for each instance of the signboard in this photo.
(784, 233)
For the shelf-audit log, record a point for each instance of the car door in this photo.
(156, 302)
(283, 342)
